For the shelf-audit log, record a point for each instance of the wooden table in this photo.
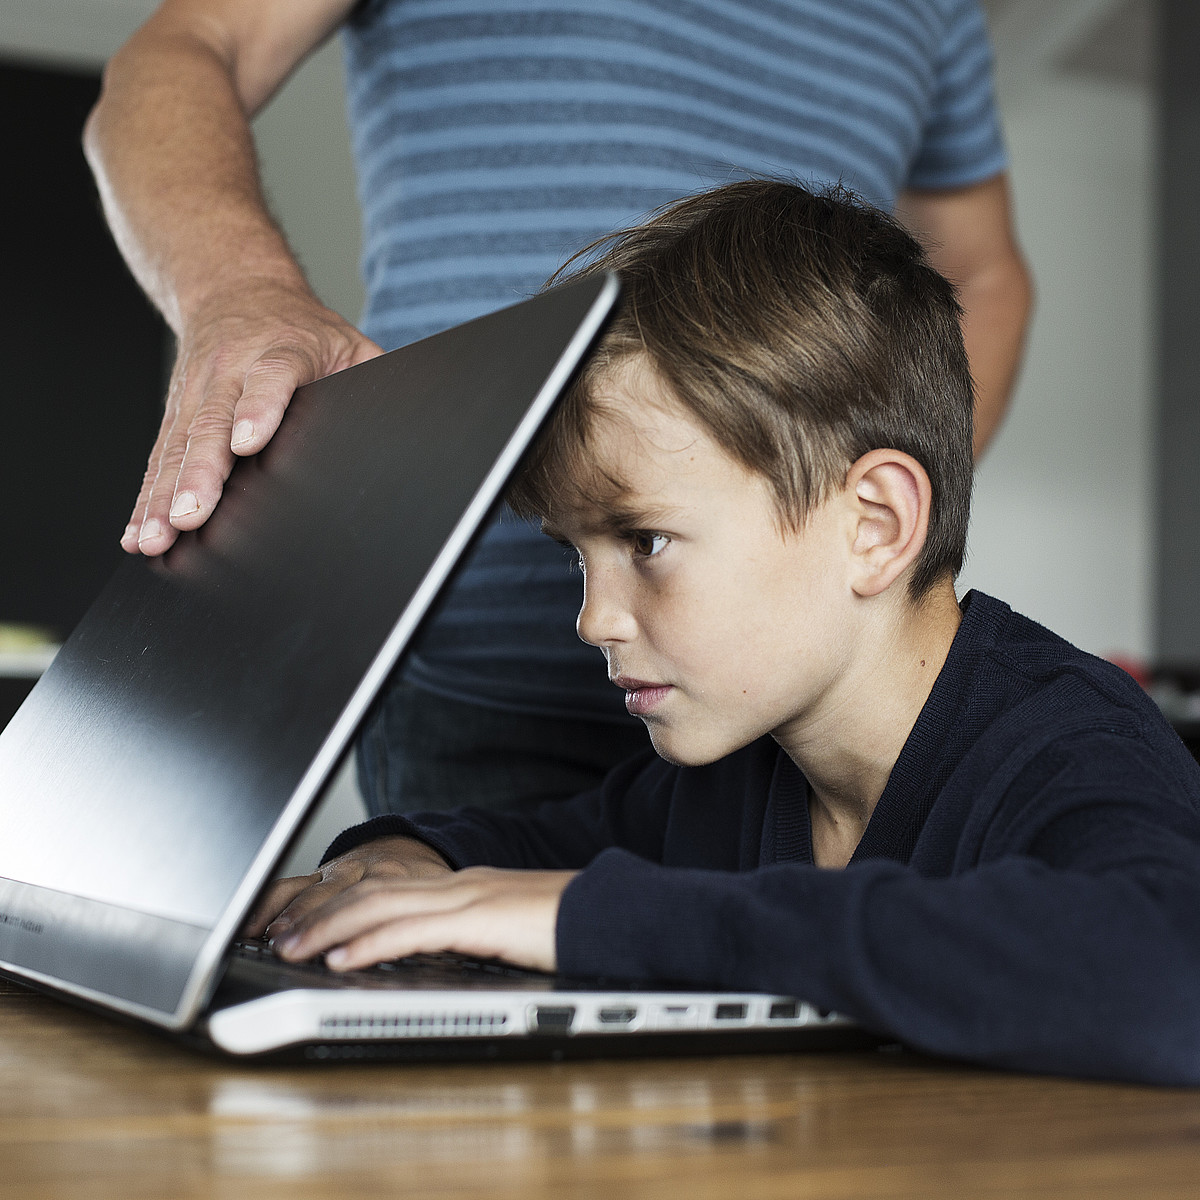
(95, 1109)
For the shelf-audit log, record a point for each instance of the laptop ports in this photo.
(553, 1018)
(617, 1016)
(730, 1012)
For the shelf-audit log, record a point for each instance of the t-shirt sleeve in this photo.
(962, 141)
(1071, 944)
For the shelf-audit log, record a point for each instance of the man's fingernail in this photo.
(130, 534)
(150, 530)
(243, 431)
(185, 504)
(335, 958)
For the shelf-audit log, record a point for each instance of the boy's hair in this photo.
(803, 331)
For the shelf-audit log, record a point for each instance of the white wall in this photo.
(1062, 520)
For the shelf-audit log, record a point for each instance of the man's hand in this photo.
(234, 377)
(171, 147)
(395, 896)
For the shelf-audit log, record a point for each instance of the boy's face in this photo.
(719, 626)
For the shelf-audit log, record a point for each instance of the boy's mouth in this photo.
(641, 697)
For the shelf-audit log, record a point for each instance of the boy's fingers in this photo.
(420, 933)
(508, 914)
(366, 906)
(323, 888)
(274, 900)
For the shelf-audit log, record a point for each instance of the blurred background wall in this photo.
(1065, 515)
(1063, 518)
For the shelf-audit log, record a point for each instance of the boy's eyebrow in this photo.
(615, 518)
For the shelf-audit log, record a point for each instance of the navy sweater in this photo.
(1026, 894)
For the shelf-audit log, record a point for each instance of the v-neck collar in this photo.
(928, 756)
(921, 770)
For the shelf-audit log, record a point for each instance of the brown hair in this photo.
(803, 331)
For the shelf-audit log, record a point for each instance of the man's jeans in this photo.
(421, 752)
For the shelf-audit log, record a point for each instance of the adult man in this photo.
(495, 138)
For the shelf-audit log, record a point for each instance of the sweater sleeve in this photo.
(1065, 939)
(629, 810)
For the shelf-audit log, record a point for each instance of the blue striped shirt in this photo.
(494, 138)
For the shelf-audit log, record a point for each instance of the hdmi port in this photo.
(616, 1016)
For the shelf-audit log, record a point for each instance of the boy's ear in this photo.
(889, 495)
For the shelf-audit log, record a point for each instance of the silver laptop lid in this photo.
(157, 771)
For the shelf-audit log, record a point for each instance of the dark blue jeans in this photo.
(418, 751)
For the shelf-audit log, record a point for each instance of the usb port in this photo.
(784, 1010)
(730, 1012)
(554, 1019)
(617, 1016)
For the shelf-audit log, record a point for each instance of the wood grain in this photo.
(91, 1108)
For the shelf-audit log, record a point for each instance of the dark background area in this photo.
(84, 360)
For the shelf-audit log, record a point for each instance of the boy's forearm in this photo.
(472, 838)
(170, 145)
(1011, 964)
(629, 810)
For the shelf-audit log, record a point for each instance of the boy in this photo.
(942, 820)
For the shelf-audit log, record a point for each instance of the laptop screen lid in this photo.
(160, 766)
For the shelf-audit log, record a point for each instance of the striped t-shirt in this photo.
(494, 138)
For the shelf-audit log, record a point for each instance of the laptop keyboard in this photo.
(446, 964)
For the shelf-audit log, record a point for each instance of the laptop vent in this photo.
(391, 1025)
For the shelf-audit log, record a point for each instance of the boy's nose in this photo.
(603, 618)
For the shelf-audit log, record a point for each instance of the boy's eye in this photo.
(647, 544)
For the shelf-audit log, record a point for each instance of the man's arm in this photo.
(170, 144)
(968, 233)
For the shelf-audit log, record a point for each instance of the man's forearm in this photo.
(996, 307)
(968, 233)
(171, 148)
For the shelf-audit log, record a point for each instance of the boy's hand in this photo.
(286, 901)
(482, 911)
(396, 896)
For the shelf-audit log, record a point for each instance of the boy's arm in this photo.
(1070, 945)
(628, 810)
(170, 144)
(395, 886)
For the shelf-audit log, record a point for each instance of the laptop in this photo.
(168, 757)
